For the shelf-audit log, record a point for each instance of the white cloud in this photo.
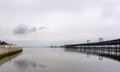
(63, 19)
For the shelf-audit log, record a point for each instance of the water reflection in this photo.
(24, 64)
(101, 54)
(9, 58)
(58, 60)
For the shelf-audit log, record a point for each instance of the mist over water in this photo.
(59, 60)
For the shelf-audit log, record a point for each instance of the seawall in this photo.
(4, 52)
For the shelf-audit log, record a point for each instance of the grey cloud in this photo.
(33, 29)
(41, 28)
(21, 29)
(24, 29)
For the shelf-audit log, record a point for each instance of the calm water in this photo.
(58, 60)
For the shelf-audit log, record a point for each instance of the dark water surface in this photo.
(59, 60)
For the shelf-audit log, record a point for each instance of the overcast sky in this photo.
(60, 21)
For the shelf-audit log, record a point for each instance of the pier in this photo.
(110, 43)
(104, 47)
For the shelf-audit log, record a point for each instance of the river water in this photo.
(58, 60)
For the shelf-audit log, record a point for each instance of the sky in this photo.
(54, 22)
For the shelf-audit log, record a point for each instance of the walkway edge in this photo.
(9, 52)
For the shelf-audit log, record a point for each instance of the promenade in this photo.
(9, 51)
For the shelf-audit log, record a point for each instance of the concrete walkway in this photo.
(8, 50)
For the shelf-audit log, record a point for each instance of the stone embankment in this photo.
(8, 51)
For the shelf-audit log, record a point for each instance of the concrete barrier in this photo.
(4, 52)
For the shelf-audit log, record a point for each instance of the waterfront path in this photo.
(5, 51)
